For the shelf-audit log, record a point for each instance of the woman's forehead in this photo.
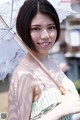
(41, 19)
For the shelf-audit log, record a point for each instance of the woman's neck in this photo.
(41, 57)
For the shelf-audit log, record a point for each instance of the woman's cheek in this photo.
(33, 36)
(53, 35)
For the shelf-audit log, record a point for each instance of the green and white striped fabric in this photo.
(49, 100)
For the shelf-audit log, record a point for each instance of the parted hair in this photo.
(27, 12)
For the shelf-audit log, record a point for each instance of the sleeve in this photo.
(20, 95)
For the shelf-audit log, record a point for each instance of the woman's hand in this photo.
(70, 104)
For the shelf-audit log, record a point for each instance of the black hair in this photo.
(27, 12)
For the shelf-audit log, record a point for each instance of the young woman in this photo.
(33, 95)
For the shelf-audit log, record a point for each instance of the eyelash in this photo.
(37, 28)
(51, 27)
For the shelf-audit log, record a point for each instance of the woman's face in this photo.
(43, 32)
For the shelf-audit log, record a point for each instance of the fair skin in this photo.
(43, 34)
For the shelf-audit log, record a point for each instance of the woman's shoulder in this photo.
(23, 66)
(22, 75)
(59, 75)
(23, 72)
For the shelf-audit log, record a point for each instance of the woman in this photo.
(33, 95)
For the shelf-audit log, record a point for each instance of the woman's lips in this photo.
(44, 44)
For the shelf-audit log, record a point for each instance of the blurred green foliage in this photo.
(77, 84)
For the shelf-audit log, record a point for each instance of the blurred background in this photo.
(66, 52)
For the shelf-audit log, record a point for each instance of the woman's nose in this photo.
(44, 34)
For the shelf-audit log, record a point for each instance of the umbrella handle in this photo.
(27, 49)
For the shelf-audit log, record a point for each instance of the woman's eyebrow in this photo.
(35, 25)
(51, 24)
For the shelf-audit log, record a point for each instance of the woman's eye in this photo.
(35, 29)
(51, 27)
